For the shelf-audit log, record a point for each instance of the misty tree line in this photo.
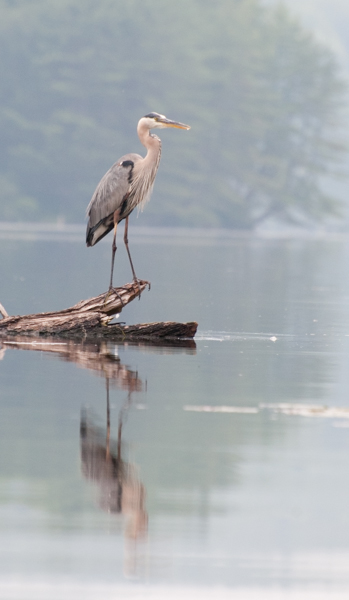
(263, 97)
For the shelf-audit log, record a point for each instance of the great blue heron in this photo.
(127, 184)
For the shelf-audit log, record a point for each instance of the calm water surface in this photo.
(224, 472)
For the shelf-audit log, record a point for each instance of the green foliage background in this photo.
(263, 98)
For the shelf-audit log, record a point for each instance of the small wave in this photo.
(227, 336)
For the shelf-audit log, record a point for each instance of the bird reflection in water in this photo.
(103, 462)
(120, 492)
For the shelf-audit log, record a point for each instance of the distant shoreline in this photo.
(76, 232)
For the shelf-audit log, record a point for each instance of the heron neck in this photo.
(151, 142)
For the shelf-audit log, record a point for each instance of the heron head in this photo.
(156, 121)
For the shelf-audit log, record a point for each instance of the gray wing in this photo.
(110, 195)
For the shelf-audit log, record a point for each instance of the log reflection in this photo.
(99, 356)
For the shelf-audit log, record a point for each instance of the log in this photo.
(92, 319)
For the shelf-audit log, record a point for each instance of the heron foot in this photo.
(137, 282)
(112, 289)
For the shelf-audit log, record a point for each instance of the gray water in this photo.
(227, 474)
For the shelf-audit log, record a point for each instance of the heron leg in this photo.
(116, 215)
(128, 250)
(113, 249)
(135, 278)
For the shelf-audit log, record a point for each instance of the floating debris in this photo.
(223, 409)
(308, 410)
(289, 409)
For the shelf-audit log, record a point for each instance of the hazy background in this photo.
(328, 19)
(264, 91)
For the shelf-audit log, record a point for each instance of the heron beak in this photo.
(169, 123)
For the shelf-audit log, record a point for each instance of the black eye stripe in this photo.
(152, 115)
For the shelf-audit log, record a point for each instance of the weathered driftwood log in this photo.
(91, 318)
